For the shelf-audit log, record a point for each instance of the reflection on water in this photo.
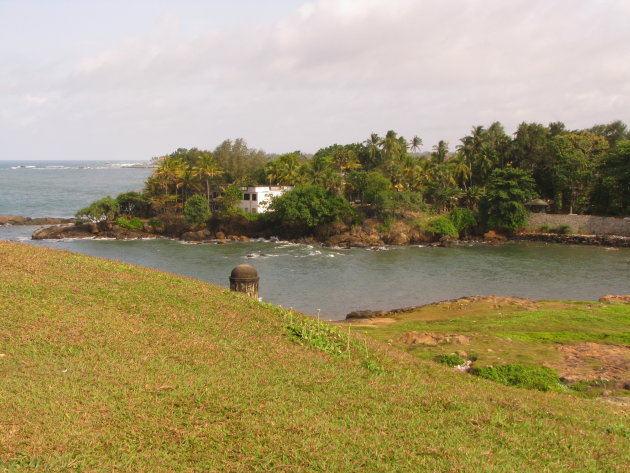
(338, 281)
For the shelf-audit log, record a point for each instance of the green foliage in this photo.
(310, 206)
(196, 210)
(102, 209)
(451, 359)
(508, 190)
(462, 218)
(133, 224)
(134, 204)
(563, 229)
(368, 187)
(522, 376)
(442, 226)
(329, 339)
(232, 196)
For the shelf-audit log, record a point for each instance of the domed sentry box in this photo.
(244, 278)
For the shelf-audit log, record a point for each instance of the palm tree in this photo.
(392, 147)
(207, 169)
(440, 152)
(415, 144)
(372, 144)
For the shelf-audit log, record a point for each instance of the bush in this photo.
(133, 224)
(463, 219)
(103, 209)
(564, 229)
(134, 204)
(310, 206)
(442, 226)
(228, 203)
(196, 210)
(452, 359)
(523, 376)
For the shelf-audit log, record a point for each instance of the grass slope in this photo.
(110, 367)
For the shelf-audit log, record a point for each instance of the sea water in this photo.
(61, 188)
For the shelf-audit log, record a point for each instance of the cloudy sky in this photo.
(133, 79)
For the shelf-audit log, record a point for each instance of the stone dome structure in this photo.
(244, 271)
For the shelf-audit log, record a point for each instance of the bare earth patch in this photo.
(415, 338)
(592, 361)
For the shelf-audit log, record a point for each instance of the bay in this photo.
(337, 281)
(311, 279)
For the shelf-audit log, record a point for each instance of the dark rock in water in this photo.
(87, 230)
(609, 241)
(200, 235)
(62, 231)
(17, 220)
(367, 314)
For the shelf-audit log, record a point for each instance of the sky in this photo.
(134, 79)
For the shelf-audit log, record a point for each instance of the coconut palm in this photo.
(415, 144)
(372, 144)
(206, 170)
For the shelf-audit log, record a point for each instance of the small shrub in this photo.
(452, 359)
(386, 226)
(133, 224)
(581, 386)
(544, 228)
(442, 226)
(564, 229)
(463, 219)
(522, 376)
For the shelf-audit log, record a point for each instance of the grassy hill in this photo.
(110, 367)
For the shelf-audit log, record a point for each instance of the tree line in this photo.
(487, 172)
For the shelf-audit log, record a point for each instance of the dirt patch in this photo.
(376, 322)
(610, 298)
(592, 361)
(415, 338)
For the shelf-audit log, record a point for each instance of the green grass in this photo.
(511, 333)
(109, 367)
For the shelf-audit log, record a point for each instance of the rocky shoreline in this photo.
(367, 235)
(592, 240)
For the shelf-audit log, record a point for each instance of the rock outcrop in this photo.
(18, 220)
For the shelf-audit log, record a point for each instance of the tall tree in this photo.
(206, 170)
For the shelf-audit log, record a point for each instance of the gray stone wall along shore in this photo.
(582, 224)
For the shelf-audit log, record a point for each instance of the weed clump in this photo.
(522, 376)
(452, 360)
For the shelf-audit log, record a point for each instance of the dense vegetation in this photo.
(489, 173)
(109, 367)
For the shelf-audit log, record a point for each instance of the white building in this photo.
(256, 199)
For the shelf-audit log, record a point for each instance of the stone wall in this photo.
(585, 224)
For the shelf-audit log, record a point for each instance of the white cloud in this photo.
(336, 70)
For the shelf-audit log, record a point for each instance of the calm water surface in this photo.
(338, 281)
